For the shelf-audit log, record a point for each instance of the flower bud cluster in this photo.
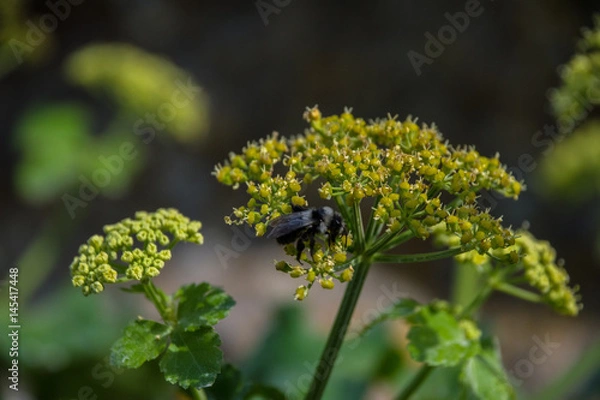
(578, 94)
(535, 260)
(133, 249)
(546, 274)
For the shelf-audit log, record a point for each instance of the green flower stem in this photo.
(373, 225)
(420, 257)
(172, 244)
(390, 240)
(158, 298)
(360, 232)
(198, 394)
(344, 211)
(477, 301)
(518, 292)
(338, 331)
(466, 283)
(415, 382)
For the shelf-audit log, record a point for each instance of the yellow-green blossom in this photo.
(578, 94)
(409, 176)
(133, 249)
(544, 273)
(143, 83)
(534, 260)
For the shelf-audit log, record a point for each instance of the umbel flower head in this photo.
(406, 173)
(533, 261)
(133, 249)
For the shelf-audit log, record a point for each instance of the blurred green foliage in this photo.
(573, 171)
(580, 89)
(57, 148)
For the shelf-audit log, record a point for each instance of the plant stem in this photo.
(360, 231)
(518, 292)
(156, 296)
(198, 394)
(415, 382)
(465, 283)
(419, 257)
(390, 240)
(477, 301)
(338, 331)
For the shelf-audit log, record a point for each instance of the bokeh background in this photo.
(78, 81)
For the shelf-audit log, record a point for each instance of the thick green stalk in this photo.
(465, 283)
(338, 331)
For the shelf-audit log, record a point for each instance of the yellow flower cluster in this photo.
(572, 101)
(133, 249)
(531, 258)
(143, 82)
(402, 168)
(543, 272)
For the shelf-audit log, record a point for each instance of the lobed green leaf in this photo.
(437, 338)
(193, 359)
(201, 305)
(142, 341)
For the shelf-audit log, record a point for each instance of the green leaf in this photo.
(484, 376)
(192, 358)
(201, 305)
(142, 341)
(438, 340)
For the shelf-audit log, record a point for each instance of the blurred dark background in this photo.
(488, 88)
